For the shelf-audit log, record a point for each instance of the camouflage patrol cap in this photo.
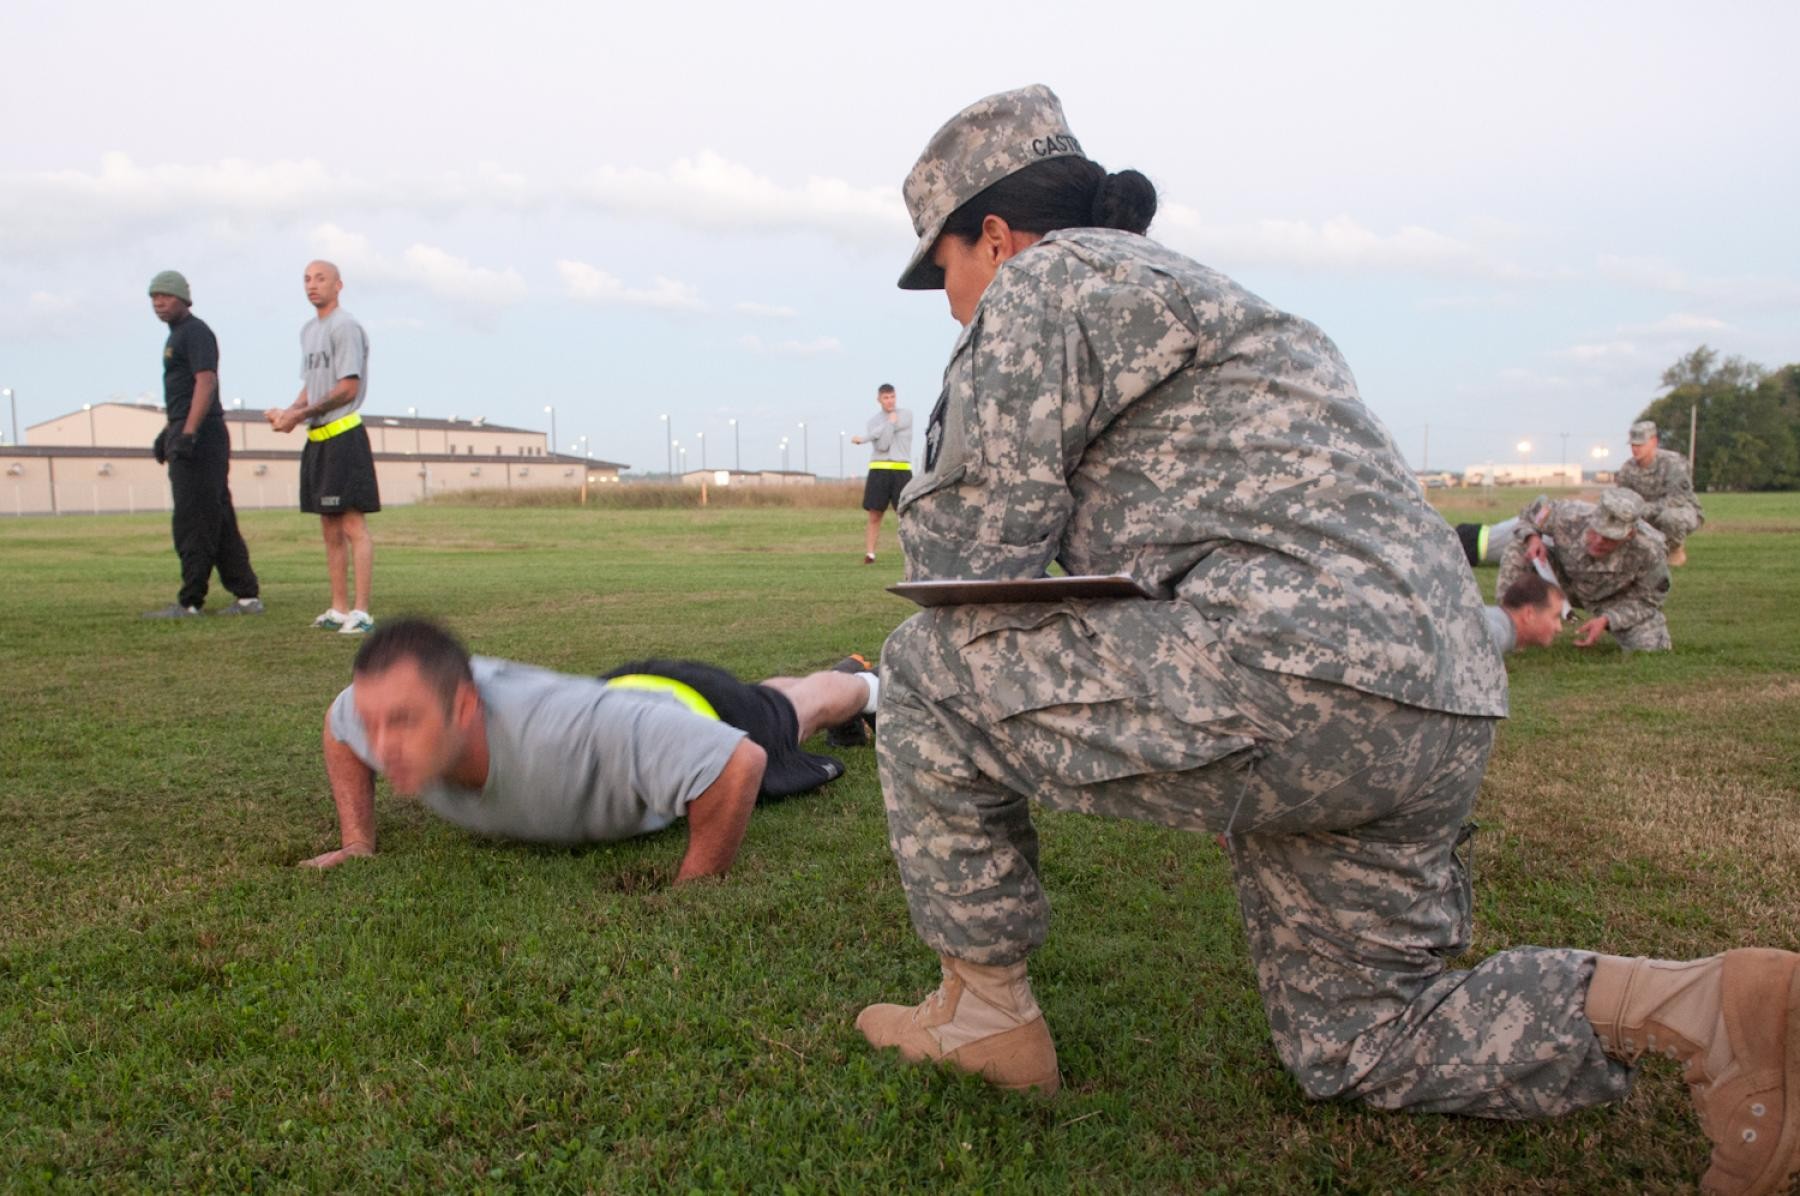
(1617, 513)
(1643, 432)
(975, 149)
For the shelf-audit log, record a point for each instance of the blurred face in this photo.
(322, 284)
(416, 740)
(969, 266)
(1598, 546)
(1537, 625)
(168, 308)
(967, 272)
(1643, 453)
(887, 399)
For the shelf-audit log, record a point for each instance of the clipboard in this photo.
(958, 592)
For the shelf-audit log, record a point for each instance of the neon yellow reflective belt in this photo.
(1481, 544)
(335, 428)
(890, 465)
(687, 695)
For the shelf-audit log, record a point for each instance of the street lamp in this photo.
(93, 439)
(841, 472)
(701, 437)
(238, 405)
(412, 413)
(784, 468)
(737, 449)
(674, 450)
(13, 402)
(1600, 452)
(805, 463)
(668, 433)
(551, 412)
(683, 453)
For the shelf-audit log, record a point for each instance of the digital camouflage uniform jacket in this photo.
(1118, 408)
(1668, 493)
(1628, 587)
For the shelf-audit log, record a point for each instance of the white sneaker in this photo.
(331, 620)
(357, 622)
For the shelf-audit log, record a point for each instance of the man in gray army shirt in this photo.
(337, 466)
(1313, 679)
(517, 752)
(1604, 558)
(1660, 477)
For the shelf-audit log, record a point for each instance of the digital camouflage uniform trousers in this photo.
(1344, 813)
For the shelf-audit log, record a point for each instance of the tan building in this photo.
(98, 460)
(747, 477)
(1508, 474)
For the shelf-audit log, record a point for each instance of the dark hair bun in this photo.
(1126, 200)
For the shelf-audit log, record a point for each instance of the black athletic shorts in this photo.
(338, 475)
(883, 487)
(764, 714)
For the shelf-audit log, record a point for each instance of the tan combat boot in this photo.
(1734, 1020)
(981, 1019)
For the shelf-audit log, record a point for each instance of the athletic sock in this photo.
(874, 684)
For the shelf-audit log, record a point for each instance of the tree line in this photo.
(1749, 421)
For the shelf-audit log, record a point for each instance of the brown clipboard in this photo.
(958, 592)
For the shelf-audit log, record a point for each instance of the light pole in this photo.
(580, 446)
(93, 439)
(1524, 447)
(668, 434)
(682, 452)
(412, 413)
(841, 472)
(784, 454)
(13, 402)
(737, 449)
(701, 437)
(238, 405)
(675, 450)
(1599, 453)
(551, 412)
(805, 455)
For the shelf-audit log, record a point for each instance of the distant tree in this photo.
(1749, 420)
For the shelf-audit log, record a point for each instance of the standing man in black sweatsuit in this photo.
(197, 449)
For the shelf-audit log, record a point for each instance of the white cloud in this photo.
(1338, 244)
(766, 311)
(428, 268)
(710, 191)
(1654, 274)
(590, 284)
(817, 347)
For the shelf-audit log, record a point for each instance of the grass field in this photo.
(181, 1008)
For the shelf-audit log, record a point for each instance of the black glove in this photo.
(181, 446)
(159, 447)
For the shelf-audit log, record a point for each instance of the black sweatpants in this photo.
(205, 524)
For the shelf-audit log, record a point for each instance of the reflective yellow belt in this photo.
(687, 695)
(335, 428)
(1481, 541)
(890, 465)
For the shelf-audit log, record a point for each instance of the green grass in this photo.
(181, 1008)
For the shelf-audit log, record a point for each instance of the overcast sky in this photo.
(1511, 219)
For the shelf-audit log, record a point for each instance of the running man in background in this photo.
(337, 467)
(889, 435)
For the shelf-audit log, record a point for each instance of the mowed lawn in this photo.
(182, 1008)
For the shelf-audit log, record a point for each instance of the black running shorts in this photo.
(338, 475)
(883, 487)
(764, 714)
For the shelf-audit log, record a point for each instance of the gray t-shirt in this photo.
(331, 350)
(890, 441)
(570, 760)
(1500, 629)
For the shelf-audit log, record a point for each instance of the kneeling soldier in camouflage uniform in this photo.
(1660, 478)
(1606, 560)
(1315, 680)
